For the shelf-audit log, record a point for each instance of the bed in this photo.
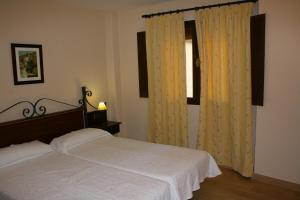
(55, 176)
(181, 169)
(184, 169)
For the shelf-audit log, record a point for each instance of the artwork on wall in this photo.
(27, 60)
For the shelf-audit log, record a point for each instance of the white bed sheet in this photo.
(184, 169)
(55, 176)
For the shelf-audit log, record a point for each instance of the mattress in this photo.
(56, 176)
(184, 169)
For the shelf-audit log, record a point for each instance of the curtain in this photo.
(225, 103)
(165, 41)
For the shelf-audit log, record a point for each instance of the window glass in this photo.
(189, 67)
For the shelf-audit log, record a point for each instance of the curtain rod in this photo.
(197, 8)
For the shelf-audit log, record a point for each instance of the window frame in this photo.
(257, 61)
(190, 33)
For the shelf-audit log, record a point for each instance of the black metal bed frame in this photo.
(35, 109)
(84, 101)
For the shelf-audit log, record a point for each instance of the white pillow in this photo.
(76, 138)
(21, 152)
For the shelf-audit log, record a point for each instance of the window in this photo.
(189, 68)
(193, 63)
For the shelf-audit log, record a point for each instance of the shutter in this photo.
(142, 62)
(258, 58)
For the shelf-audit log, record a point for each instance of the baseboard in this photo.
(277, 182)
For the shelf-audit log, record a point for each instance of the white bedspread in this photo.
(184, 169)
(55, 176)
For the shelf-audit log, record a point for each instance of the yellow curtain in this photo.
(225, 103)
(165, 39)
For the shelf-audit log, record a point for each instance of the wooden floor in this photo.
(231, 186)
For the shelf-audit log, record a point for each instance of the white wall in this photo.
(73, 41)
(113, 66)
(278, 122)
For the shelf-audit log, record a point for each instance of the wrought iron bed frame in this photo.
(34, 109)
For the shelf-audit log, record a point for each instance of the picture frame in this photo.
(27, 61)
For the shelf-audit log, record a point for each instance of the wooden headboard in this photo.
(43, 128)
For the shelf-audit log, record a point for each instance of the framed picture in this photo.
(27, 60)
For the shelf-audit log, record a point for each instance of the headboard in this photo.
(43, 128)
(37, 125)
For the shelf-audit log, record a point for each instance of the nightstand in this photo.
(98, 119)
(109, 126)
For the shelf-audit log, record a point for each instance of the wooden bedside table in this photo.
(109, 126)
(98, 119)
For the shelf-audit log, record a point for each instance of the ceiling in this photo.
(113, 4)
